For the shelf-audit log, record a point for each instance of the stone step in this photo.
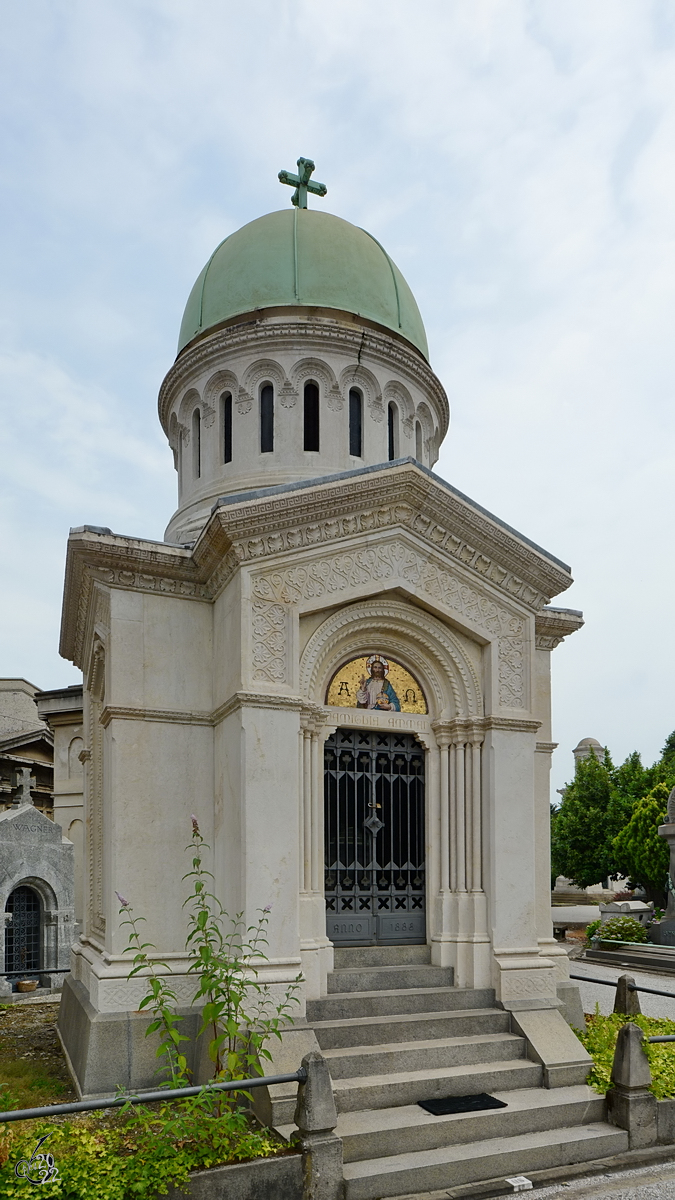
(380, 956)
(345, 1005)
(371, 979)
(382, 1132)
(409, 1087)
(348, 1063)
(455, 1166)
(406, 1027)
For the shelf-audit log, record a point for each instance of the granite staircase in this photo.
(394, 1031)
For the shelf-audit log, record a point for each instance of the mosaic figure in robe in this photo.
(376, 691)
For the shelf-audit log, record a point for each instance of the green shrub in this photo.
(129, 1159)
(600, 1036)
(592, 929)
(623, 929)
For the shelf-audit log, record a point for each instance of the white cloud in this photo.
(515, 157)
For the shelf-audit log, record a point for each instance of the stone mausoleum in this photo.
(335, 659)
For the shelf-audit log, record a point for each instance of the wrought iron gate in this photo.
(374, 838)
(22, 932)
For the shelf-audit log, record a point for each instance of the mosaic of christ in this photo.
(376, 682)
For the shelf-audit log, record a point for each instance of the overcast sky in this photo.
(517, 161)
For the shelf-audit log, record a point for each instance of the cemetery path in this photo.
(652, 1006)
(643, 1183)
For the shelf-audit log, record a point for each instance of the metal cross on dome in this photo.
(302, 183)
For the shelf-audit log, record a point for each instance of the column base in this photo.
(462, 941)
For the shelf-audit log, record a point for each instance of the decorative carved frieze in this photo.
(401, 496)
(325, 514)
(273, 337)
(270, 642)
(392, 564)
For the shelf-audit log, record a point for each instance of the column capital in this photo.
(459, 731)
(312, 717)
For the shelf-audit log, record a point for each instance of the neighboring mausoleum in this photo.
(336, 660)
(36, 893)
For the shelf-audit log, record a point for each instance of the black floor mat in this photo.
(460, 1104)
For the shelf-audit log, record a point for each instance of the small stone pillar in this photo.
(626, 1001)
(316, 1118)
(630, 1104)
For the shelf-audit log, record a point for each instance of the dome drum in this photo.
(275, 377)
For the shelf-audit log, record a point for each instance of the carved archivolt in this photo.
(261, 370)
(394, 564)
(419, 641)
(316, 368)
(393, 390)
(363, 379)
(190, 401)
(222, 381)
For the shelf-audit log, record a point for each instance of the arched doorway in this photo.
(23, 931)
(374, 838)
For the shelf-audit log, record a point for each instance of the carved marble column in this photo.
(315, 949)
(461, 939)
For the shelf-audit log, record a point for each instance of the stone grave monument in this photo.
(36, 893)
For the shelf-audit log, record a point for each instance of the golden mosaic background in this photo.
(344, 685)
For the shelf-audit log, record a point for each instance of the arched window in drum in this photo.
(311, 415)
(392, 432)
(355, 423)
(266, 419)
(226, 418)
(196, 443)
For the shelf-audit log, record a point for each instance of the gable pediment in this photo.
(373, 501)
(443, 530)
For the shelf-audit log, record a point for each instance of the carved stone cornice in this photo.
(327, 513)
(554, 624)
(189, 717)
(257, 700)
(404, 495)
(546, 747)
(355, 340)
(512, 724)
(163, 715)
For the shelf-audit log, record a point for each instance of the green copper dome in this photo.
(302, 257)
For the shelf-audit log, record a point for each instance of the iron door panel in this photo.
(374, 838)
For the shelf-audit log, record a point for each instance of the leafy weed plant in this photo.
(143, 1151)
(600, 1036)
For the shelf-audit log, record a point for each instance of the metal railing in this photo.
(239, 1085)
(632, 987)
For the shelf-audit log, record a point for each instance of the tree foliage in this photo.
(607, 823)
(639, 851)
(580, 847)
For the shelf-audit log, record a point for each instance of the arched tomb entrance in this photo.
(23, 933)
(374, 837)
